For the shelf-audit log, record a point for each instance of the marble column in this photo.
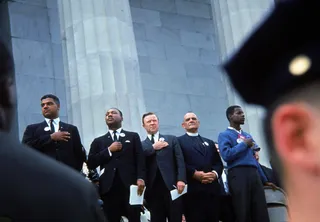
(101, 65)
(234, 20)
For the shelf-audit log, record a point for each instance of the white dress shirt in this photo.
(55, 122)
(118, 131)
(155, 136)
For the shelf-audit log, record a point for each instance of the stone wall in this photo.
(179, 58)
(36, 46)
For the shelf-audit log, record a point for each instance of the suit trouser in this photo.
(160, 204)
(226, 209)
(116, 203)
(248, 198)
(202, 207)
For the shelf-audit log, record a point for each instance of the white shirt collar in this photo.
(238, 131)
(56, 121)
(193, 134)
(118, 131)
(155, 136)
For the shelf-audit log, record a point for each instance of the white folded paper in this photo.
(174, 193)
(135, 199)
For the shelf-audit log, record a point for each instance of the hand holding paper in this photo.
(174, 193)
(135, 198)
(141, 186)
(180, 186)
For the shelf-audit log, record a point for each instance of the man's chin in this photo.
(47, 115)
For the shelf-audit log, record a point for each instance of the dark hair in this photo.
(6, 62)
(230, 110)
(148, 114)
(117, 110)
(51, 96)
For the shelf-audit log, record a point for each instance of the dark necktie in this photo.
(52, 126)
(152, 139)
(115, 138)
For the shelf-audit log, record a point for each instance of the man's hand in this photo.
(115, 146)
(140, 184)
(272, 185)
(248, 141)
(209, 177)
(180, 186)
(198, 175)
(60, 136)
(160, 145)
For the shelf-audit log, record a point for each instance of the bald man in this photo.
(204, 167)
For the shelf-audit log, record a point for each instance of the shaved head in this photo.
(190, 122)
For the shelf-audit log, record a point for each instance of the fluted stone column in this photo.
(234, 20)
(101, 64)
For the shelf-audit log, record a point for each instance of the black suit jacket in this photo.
(270, 174)
(70, 153)
(196, 159)
(129, 162)
(169, 160)
(36, 188)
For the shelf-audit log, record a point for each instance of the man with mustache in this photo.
(54, 138)
(33, 186)
(120, 157)
(245, 177)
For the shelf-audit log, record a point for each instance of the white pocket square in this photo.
(127, 141)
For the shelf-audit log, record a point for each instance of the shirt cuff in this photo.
(109, 152)
(213, 171)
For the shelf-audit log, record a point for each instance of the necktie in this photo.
(152, 139)
(52, 126)
(115, 138)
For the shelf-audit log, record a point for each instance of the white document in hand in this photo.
(135, 199)
(175, 194)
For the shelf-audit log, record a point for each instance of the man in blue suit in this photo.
(165, 171)
(204, 167)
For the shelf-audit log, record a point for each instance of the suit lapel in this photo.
(195, 146)
(44, 128)
(108, 138)
(204, 145)
(62, 126)
(147, 140)
(122, 139)
(165, 139)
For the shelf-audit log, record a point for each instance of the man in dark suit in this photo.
(122, 163)
(204, 167)
(268, 172)
(33, 186)
(52, 137)
(165, 172)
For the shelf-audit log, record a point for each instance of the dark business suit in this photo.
(202, 200)
(36, 188)
(70, 153)
(165, 168)
(270, 174)
(120, 171)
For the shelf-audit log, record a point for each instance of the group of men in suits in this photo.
(160, 163)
